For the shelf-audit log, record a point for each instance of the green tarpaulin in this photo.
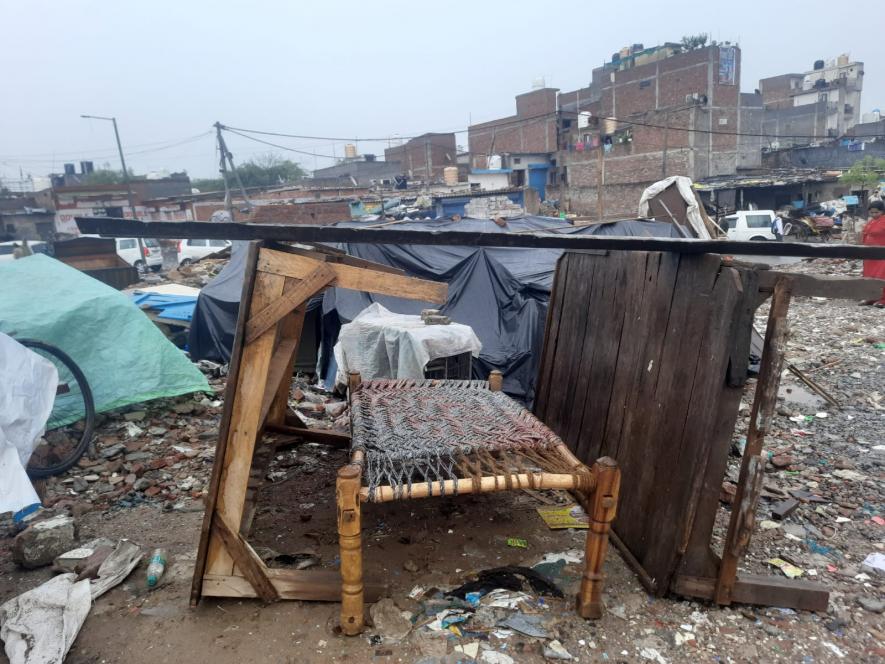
(125, 357)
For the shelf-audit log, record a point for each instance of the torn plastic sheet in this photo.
(40, 625)
(27, 391)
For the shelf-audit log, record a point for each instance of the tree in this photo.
(868, 171)
(694, 42)
(267, 170)
(107, 175)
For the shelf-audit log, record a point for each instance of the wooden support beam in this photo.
(333, 438)
(759, 589)
(246, 560)
(236, 461)
(313, 282)
(276, 394)
(117, 227)
(313, 585)
(233, 379)
(743, 512)
(355, 278)
(808, 285)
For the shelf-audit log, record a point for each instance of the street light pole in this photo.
(130, 196)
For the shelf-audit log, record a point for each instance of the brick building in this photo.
(318, 213)
(650, 114)
(818, 104)
(425, 157)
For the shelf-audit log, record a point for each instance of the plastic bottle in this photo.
(156, 567)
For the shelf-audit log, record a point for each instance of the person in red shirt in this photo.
(874, 234)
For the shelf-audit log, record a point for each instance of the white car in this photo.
(7, 249)
(127, 249)
(193, 250)
(746, 225)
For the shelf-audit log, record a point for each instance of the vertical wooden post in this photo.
(603, 506)
(496, 381)
(743, 511)
(353, 380)
(347, 490)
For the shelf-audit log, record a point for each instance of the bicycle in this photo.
(71, 423)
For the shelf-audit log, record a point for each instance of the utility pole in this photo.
(122, 159)
(600, 180)
(222, 168)
(129, 196)
(225, 153)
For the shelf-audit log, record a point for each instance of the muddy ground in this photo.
(827, 451)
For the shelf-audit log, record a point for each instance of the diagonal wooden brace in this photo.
(274, 312)
(246, 560)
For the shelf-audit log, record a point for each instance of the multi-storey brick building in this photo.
(650, 114)
(425, 157)
(647, 114)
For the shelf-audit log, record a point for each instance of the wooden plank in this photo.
(245, 423)
(346, 276)
(313, 435)
(290, 584)
(639, 443)
(551, 337)
(279, 377)
(211, 501)
(740, 527)
(609, 313)
(246, 560)
(808, 285)
(332, 255)
(116, 227)
(568, 348)
(273, 313)
(759, 589)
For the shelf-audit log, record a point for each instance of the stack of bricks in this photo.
(492, 207)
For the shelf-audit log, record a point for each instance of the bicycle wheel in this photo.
(72, 420)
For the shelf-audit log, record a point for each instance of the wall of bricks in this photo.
(439, 150)
(320, 213)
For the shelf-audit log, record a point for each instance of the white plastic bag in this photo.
(27, 391)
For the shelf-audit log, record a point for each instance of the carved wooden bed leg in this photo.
(347, 493)
(603, 504)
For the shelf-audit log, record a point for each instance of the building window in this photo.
(517, 160)
(644, 84)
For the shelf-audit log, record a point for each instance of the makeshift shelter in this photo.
(500, 292)
(125, 357)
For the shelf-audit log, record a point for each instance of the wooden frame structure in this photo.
(597, 487)
(659, 390)
(278, 283)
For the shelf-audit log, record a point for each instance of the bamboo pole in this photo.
(350, 544)
(603, 506)
(488, 484)
(496, 381)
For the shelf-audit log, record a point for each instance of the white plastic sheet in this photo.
(27, 392)
(693, 212)
(39, 626)
(381, 344)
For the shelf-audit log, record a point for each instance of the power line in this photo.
(54, 157)
(276, 145)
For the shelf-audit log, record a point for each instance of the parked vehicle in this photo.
(127, 249)
(746, 225)
(7, 248)
(193, 250)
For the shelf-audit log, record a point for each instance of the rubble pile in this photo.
(162, 451)
(821, 516)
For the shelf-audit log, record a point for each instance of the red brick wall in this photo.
(412, 155)
(320, 213)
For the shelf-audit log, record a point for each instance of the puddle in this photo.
(800, 396)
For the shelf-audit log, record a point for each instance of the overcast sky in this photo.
(168, 70)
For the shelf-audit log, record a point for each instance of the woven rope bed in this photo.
(429, 431)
